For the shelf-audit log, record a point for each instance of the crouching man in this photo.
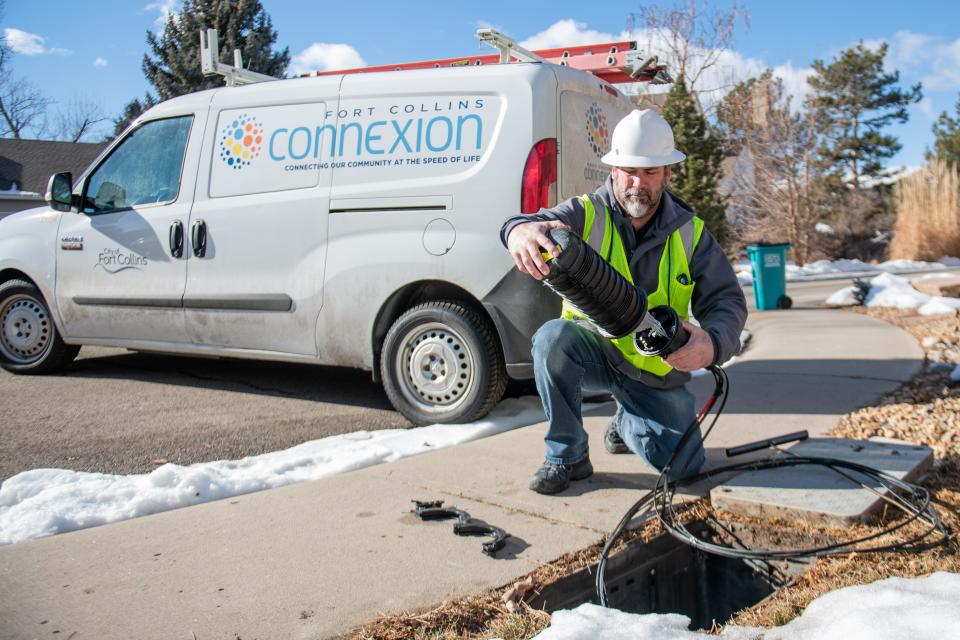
(653, 239)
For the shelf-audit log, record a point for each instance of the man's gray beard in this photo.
(635, 208)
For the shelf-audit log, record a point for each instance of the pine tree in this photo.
(696, 179)
(854, 99)
(174, 67)
(130, 113)
(946, 132)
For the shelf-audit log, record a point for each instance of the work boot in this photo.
(612, 441)
(554, 478)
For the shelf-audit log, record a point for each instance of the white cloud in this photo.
(929, 59)
(165, 8)
(729, 68)
(100, 62)
(919, 57)
(24, 43)
(322, 56)
(567, 32)
(30, 44)
(794, 82)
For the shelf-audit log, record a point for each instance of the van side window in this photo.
(143, 170)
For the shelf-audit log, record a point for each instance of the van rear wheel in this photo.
(29, 340)
(441, 362)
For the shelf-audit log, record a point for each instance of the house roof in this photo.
(30, 163)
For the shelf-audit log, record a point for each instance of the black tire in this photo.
(784, 302)
(441, 362)
(29, 340)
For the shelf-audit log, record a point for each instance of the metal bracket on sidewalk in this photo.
(464, 526)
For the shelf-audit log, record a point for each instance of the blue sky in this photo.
(92, 51)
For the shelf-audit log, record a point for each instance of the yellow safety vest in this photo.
(674, 271)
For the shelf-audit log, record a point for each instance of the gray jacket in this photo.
(718, 303)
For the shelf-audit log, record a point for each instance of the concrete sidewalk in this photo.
(314, 560)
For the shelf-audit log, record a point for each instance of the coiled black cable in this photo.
(912, 499)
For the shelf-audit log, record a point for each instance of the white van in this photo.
(344, 220)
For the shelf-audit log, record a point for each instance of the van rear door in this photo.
(588, 113)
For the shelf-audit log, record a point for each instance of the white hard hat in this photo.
(642, 139)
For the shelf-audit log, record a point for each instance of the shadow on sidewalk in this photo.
(807, 387)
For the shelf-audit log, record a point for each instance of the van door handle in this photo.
(198, 238)
(176, 239)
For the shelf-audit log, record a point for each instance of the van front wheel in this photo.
(29, 340)
(441, 362)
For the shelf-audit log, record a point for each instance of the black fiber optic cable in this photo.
(912, 499)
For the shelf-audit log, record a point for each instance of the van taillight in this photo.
(540, 177)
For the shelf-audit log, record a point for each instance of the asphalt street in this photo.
(115, 411)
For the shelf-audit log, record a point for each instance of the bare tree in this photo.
(692, 37)
(21, 106)
(776, 190)
(76, 120)
(24, 109)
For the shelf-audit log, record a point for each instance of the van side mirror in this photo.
(60, 191)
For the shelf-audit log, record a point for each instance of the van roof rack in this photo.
(210, 63)
(615, 62)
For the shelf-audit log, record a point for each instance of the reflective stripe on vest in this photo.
(675, 283)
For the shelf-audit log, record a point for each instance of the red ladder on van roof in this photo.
(615, 62)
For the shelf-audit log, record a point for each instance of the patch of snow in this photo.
(862, 612)
(888, 290)
(821, 267)
(824, 228)
(938, 305)
(14, 190)
(826, 268)
(876, 611)
(907, 265)
(842, 298)
(43, 502)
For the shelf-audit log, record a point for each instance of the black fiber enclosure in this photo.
(580, 276)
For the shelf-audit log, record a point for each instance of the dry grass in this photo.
(928, 214)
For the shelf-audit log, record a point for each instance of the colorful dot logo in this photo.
(241, 141)
(598, 133)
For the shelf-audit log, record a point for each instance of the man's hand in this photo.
(696, 354)
(524, 244)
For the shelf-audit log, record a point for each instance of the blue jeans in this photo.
(568, 359)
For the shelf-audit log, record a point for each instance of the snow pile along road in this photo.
(891, 609)
(887, 290)
(43, 502)
(829, 268)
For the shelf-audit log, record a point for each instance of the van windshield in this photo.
(143, 170)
